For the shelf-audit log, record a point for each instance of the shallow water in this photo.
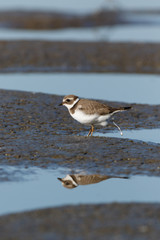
(131, 88)
(82, 6)
(42, 189)
(118, 33)
(143, 18)
(146, 135)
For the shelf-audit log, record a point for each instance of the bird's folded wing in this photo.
(93, 107)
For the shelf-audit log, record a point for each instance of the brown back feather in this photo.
(92, 107)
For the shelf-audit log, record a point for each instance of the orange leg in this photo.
(91, 131)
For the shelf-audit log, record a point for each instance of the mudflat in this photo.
(35, 131)
(104, 221)
(47, 56)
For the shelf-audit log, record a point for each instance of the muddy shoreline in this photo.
(39, 20)
(111, 221)
(35, 131)
(50, 20)
(43, 56)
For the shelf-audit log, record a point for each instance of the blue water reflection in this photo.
(146, 135)
(132, 88)
(82, 6)
(43, 189)
(118, 33)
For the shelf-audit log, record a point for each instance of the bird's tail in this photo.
(125, 108)
(121, 109)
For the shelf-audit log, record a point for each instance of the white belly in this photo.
(87, 119)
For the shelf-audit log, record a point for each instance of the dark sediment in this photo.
(34, 56)
(54, 20)
(43, 20)
(36, 132)
(112, 221)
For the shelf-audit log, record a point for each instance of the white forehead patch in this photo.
(69, 106)
(68, 177)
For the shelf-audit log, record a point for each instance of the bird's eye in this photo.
(67, 183)
(68, 100)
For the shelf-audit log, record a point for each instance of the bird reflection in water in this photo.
(74, 180)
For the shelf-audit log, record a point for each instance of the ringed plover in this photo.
(90, 112)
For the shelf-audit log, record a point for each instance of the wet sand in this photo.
(45, 20)
(35, 131)
(43, 56)
(111, 221)
(53, 20)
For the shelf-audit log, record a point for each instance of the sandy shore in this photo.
(43, 56)
(110, 221)
(35, 131)
(54, 20)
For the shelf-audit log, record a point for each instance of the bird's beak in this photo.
(60, 104)
(60, 179)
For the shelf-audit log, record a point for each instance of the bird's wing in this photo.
(93, 107)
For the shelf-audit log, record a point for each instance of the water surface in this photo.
(82, 6)
(146, 135)
(43, 189)
(118, 33)
(131, 88)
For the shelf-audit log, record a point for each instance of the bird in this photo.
(90, 112)
(74, 180)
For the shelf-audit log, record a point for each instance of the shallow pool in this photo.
(118, 33)
(131, 88)
(42, 189)
(146, 135)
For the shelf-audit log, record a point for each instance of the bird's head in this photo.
(69, 101)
